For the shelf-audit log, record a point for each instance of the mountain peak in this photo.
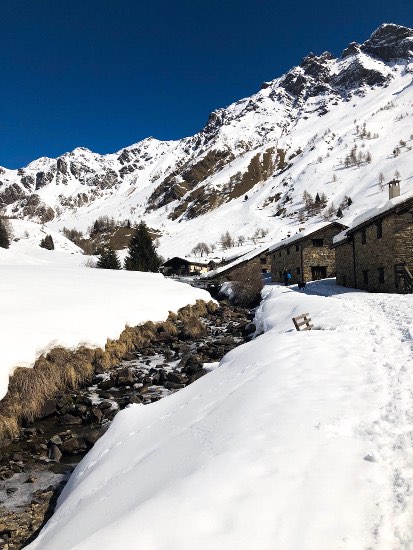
(390, 42)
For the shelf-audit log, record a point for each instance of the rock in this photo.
(16, 457)
(129, 357)
(46, 495)
(16, 468)
(73, 446)
(184, 361)
(80, 409)
(135, 399)
(31, 479)
(173, 386)
(64, 401)
(29, 432)
(106, 384)
(197, 375)
(250, 328)
(11, 490)
(55, 453)
(105, 395)
(48, 408)
(104, 405)
(91, 438)
(96, 414)
(176, 378)
(56, 440)
(69, 419)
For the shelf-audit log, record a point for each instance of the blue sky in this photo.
(104, 74)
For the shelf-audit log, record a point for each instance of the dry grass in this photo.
(62, 369)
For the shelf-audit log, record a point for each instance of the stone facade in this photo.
(309, 257)
(375, 252)
(260, 262)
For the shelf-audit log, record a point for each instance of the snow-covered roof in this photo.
(373, 214)
(244, 258)
(313, 228)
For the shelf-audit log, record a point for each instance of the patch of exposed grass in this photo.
(62, 369)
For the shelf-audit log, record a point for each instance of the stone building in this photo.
(307, 255)
(257, 258)
(376, 253)
(185, 267)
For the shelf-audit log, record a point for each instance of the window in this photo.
(381, 274)
(365, 277)
(379, 228)
(297, 247)
(363, 236)
(298, 270)
(318, 242)
(344, 283)
(279, 253)
(288, 251)
(263, 260)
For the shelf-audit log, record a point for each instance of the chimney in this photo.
(394, 189)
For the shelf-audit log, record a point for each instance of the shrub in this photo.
(247, 285)
(47, 243)
(108, 260)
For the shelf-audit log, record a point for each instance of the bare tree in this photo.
(226, 241)
(200, 249)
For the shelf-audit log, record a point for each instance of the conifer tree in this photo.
(108, 259)
(339, 213)
(142, 255)
(4, 237)
(47, 243)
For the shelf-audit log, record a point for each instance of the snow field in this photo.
(297, 440)
(47, 300)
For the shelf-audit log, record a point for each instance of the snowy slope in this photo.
(48, 298)
(297, 440)
(293, 135)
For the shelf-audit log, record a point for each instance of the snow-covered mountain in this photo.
(328, 126)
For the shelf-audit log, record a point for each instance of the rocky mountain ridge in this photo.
(270, 147)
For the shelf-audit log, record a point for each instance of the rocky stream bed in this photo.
(35, 467)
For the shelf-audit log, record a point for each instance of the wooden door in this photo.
(318, 272)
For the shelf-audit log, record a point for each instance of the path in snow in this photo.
(387, 320)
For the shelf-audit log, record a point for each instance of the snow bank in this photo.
(48, 305)
(296, 441)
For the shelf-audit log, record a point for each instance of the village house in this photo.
(376, 253)
(186, 267)
(307, 255)
(258, 258)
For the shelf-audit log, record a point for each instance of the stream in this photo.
(35, 468)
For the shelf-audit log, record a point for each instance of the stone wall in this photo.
(344, 264)
(375, 258)
(261, 263)
(301, 255)
(287, 257)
